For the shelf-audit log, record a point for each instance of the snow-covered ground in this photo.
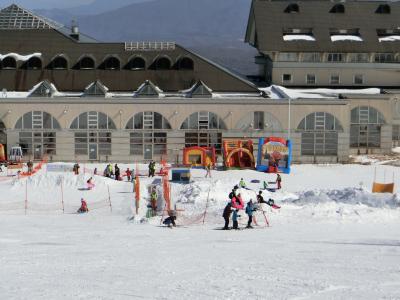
(332, 238)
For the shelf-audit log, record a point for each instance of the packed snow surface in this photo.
(331, 239)
(298, 37)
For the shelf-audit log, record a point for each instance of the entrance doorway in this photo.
(93, 151)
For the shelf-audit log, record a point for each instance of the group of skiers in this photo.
(112, 173)
(236, 204)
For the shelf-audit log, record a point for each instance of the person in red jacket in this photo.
(128, 174)
(84, 207)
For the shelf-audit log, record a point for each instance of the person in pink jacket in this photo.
(237, 202)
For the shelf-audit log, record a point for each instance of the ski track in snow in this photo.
(332, 239)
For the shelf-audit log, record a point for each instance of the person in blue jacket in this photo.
(249, 211)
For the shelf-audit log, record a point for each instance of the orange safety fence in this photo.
(36, 169)
(167, 192)
(382, 187)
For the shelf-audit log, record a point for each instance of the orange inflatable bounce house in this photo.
(2, 153)
(199, 156)
(238, 154)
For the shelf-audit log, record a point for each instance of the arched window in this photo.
(260, 120)
(111, 63)
(149, 136)
(59, 63)
(9, 63)
(38, 133)
(136, 63)
(383, 9)
(337, 9)
(365, 127)
(163, 63)
(292, 8)
(203, 129)
(185, 63)
(319, 134)
(34, 63)
(86, 63)
(93, 134)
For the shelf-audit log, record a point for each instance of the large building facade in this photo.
(326, 43)
(65, 96)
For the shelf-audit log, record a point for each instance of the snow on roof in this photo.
(346, 37)
(298, 37)
(280, 92)
(20, 57)
(390, 38)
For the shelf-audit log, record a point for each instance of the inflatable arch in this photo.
(199, 156)
(238, 154)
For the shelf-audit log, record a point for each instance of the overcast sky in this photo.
(33, 4)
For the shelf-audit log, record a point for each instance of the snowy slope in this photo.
(332, 238)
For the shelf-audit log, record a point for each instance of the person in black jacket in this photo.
(117, 172)
(227, 214)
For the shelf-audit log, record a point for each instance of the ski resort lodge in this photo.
(70, 97)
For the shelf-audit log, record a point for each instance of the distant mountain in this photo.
(214, 28)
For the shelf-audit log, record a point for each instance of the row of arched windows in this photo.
(338, 8)
(319, 131)
(88, 62)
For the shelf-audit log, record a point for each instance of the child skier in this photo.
(117, 172)
(278, 181)
(153, 199)
(242, 184)
(265, 185)
(90, 184)
(170, 221)
(83, 208)
(249, 211)
(208, 169)
(237, 202)
(226, 215)
(128, 174)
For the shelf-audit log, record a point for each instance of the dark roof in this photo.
(268, 19)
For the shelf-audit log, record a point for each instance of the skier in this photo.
(249, 211)
(265, 184)
(106, 172)
(84, 207)
(235, 217)
(29, 164)
(153, 200)
(90, 183)
(242, 184)
(278, 181)
(117, 172)
(237, 202)
(208, 169)
(260, 198)
(75, 168)
(95, 171)
(153, 169)
(170, 221)
(110, 170)
(226, 215)
(128, 174)
(150, 168)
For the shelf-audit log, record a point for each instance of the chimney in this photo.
(74, 30)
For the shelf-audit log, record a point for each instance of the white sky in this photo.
(34, 4)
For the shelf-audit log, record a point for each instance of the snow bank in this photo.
(352, 38)
(298, 37)
(19, 57)
(280, 92)
(390, 38)
(353, 196)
